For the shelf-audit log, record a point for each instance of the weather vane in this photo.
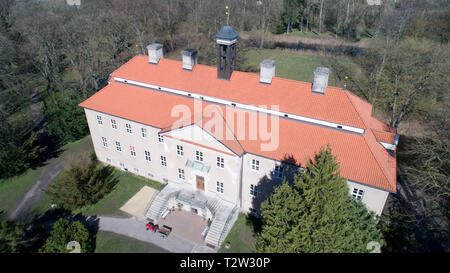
(228, 14)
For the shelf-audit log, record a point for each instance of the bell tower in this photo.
(226, 52)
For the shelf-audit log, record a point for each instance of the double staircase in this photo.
(224, 215)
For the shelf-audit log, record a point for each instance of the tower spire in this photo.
(228, 15)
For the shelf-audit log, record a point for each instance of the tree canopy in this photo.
(65, 231)
(316, 213)
(84, 183)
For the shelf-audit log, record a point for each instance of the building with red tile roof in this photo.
(230, 135)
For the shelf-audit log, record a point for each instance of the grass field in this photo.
(241, 237)
(295, 65)
(108, 242)
(11, 189)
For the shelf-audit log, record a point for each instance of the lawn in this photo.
(108, 242)
(295, 65)
(11, 189)
(241, 237)
(128, 185)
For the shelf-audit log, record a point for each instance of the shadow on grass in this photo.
(38, 230)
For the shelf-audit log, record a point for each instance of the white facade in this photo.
(237, 182)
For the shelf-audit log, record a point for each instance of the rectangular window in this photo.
(113, 124)
(104, 142)
(147, 156)
(99, 120)
(253, 190)
(163, 161)
(278, 172)
(144, 132)
(181, 174)
(199, 156)
(136, 170)
(357, 194)
(219, 187)
(160, 139)
(128, 128)
(108, 160)
(122, 165)
(180, 150)
(132, 151)
(118, 148)
(220, 162)
(255, 165)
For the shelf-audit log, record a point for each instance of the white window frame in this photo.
(128, 127)
(144, 132)
(357, 194)
(180, 151)
(163, 161)
(255, 165)
(161, 139)
(147, 156)
(220, 162)
(99, 120)
(219, 187)
(181, 174)
(118, 147)
(253, 190)
(198, 156)
(132, 151)
(104, 142)
(113, 124)
(277, 173)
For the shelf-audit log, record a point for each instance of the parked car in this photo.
(164, 231)
(151, 226)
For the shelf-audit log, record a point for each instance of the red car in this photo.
(151, 226)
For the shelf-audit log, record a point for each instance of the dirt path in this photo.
(22, 207)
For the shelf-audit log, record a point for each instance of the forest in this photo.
(53, 56)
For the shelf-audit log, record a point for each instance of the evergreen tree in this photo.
(10, 237)
(65, 231)
(66, 120)
(316, 214)
(83, 184)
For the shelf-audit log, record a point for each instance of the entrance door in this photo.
(200, 183)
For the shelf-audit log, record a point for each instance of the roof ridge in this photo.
(365, 138)
(383, 171)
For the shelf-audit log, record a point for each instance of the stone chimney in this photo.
(155, 52)
(267, 71)
(189, 58)
(320, 80)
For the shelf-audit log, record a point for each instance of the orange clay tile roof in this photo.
(294, 97)
(362, 159)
